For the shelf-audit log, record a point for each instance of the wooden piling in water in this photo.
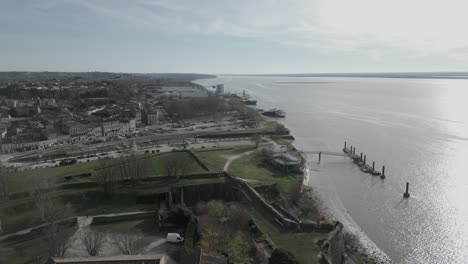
(361, 156)
(320, 156)
(382, 176)
(365, 159)
(345, 144)
(373, 166)
(406, 194)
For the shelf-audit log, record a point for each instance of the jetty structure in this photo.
(361, 161)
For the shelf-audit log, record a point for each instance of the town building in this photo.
(151, 117)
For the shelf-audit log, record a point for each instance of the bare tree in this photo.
(132, 168)
(257, 139)
(185, 163)
(128, 243)
(170, 166)
(41, 197)
(4, 191)
(105, 177)
(295, 191)
(59, 240)
(178, 164)
(92, 240)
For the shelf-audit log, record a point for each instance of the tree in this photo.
(92, 241)
(238, 248)
(216, 209)
(128, 243)
(281, 130)
(105, 177)
(281, 256)
(170, 165)
(257, 139)
(295, 190)
(59, 240)
(238, 216)
(4, 191)
(132, 168)
(41, 197)
(178, 164)
(185, 163)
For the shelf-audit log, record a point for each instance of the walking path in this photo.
(230, 159)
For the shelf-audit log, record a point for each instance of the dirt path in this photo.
(230, 159)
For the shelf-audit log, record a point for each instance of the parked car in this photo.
(174, 238)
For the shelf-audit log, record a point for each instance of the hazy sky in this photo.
(234, 36)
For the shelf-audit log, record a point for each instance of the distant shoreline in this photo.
(305, 82)
(397, 75)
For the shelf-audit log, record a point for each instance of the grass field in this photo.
(215, 159)
(22, 213)
(302, 245)
(145, 225)
(247, 167)
(25, 180)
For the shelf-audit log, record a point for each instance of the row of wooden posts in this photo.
(363, 159)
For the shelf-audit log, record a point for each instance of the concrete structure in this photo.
(287, 161)
(220, 89)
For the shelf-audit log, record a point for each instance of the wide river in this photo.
(418, 128)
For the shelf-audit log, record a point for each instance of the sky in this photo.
(234, 36)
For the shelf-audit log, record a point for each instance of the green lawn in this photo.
(145, 225)
(302, 245)
(284, 142)
(247, 167)
(26, 180)
(215, 159)
(20, 214)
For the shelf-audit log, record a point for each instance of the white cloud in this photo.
(421, 27)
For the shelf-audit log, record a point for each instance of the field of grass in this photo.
(302, 245)
(248, 167)
(215, 159)
(25, 180)
(145, 225)
(284, 142)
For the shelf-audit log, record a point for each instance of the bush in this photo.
(216, 209)
(281, 256)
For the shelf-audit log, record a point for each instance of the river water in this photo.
(418, 128)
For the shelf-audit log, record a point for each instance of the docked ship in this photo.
(274, 113)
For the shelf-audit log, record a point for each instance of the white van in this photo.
(174, 237)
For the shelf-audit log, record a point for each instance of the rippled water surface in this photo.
(417, 128)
